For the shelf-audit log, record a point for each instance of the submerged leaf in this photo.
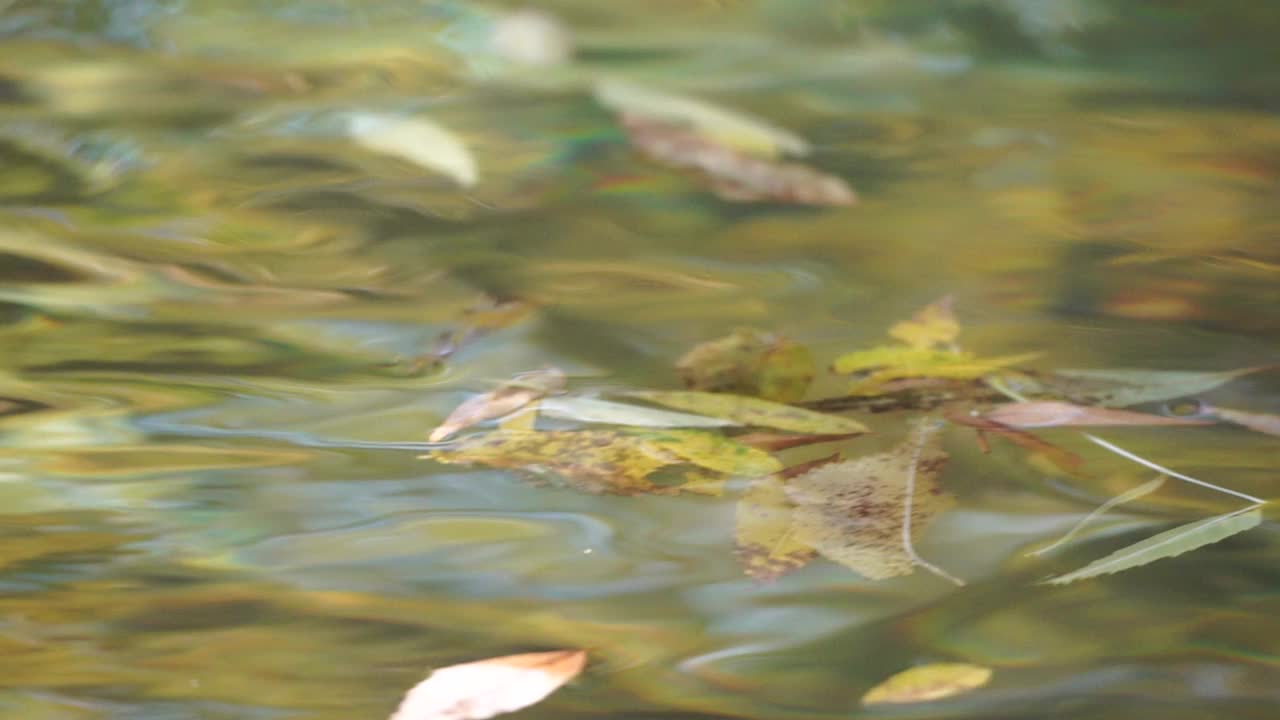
(732, 174)
(749, 362)
(592, 410)
(932, 326)
(1141, 491)
(852, 512)
(728, 128)
(1064, 459)
(1259, 422)
(1060, 414)
(1170, 543)
(752, 411)
(504, 400)
(928, 682)
(417, 140)
(766, 543)
(1131, 386)
(784, 441)
(482, 689)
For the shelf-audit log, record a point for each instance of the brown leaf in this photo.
(504, 400)
(1061, 414)
(482, 689)
(1065, 459)
(732, 174)
(852, 512)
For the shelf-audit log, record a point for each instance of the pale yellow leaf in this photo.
(934, 325)
(766, 543)
(417, 140)
(928, 682)
(483, 689)
(752, 411)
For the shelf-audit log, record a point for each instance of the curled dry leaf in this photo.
(852, 512)
(483, 689)
(711, 123)
(1259, 422)
(752, 411)
(731, 174)
(504, 400)
(749, 362)
(932, 326)
(1061, 414)
(928, 682)
(417, 140)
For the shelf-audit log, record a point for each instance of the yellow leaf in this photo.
(888, 363)
(714, 452)
(783, 373)
(749, 362)
(766, 543)
(751, 411)
(934, 325)
(928, 682)
(482, 689)
(852, 512)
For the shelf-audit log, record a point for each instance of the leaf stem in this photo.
(926, 427)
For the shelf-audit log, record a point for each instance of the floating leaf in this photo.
(1141, 491)
(504, 400)
(714, 452)
(748, 362)
(1260, 422)
(752, 411)
(592, 410)
(591, 460)
(774, 442)
(1060, 414)
(1170, 543)
(928, 682)
(890, 363)
(932, 326)
(482, 689)
(852, 512)
(613, 461)
(417, 140)
(714, 124)
(1129, 386)
(766, 543)
(733, 175)
(1064, 459)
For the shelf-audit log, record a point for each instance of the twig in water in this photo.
(926, 427)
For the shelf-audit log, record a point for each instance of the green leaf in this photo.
(1171, 543)
(1131, 386)
(749, 362)
(752, 411)
(1141, 491)
(785, 370)
(714, 452)
(592, 410)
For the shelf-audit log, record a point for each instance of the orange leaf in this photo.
(1061, 414)
(1068, 461)
(482, 689)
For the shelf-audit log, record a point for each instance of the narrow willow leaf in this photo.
(592, 410)
(416, 140)
(1141, 491)
(852, 512)
(752, 411)
(766, 544)
(1051, 413)
(886, 364)
(483, 689)
(725, 127)
(1258, 422)
(928, 682)
(932, 326)
(504, 400)
(1170, 543)
(1131, 386)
